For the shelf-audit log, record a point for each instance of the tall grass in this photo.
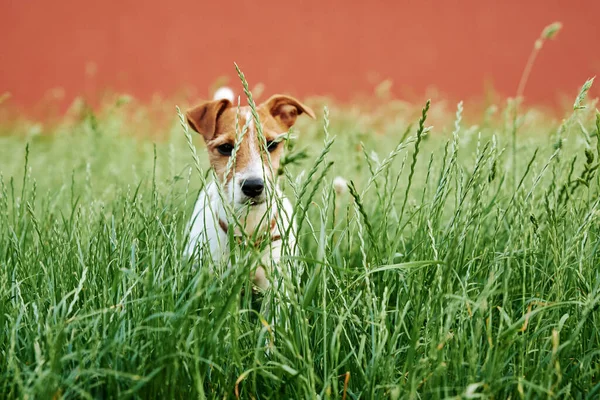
(432, 276)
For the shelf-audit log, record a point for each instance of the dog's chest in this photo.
(210, 225)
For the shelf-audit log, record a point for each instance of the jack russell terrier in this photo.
(249, 185)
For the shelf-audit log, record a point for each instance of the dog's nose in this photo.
(253, 187)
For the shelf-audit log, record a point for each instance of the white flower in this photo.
(340, 185)
(224, 93)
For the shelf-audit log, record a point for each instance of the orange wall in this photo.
(301, 47)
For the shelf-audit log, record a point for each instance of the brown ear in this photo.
(203, 118)
(285, 109)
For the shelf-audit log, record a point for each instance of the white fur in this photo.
(254, 167)
(207, 234)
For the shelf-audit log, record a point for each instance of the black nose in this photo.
(253, 187)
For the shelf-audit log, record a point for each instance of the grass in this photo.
(441, 271)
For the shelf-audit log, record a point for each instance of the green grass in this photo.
(442, 271)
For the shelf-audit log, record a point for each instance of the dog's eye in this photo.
(225, 149)
(272, 145)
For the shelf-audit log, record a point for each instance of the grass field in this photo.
(462, 261)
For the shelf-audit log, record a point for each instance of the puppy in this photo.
(248, 182)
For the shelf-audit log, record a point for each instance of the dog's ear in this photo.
(203, 118)
(285, 109)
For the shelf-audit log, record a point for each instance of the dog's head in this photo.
(251, 179)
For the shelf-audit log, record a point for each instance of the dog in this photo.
(248, 183)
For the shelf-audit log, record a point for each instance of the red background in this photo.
(305, 48)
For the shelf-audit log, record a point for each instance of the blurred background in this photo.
(54, 51)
